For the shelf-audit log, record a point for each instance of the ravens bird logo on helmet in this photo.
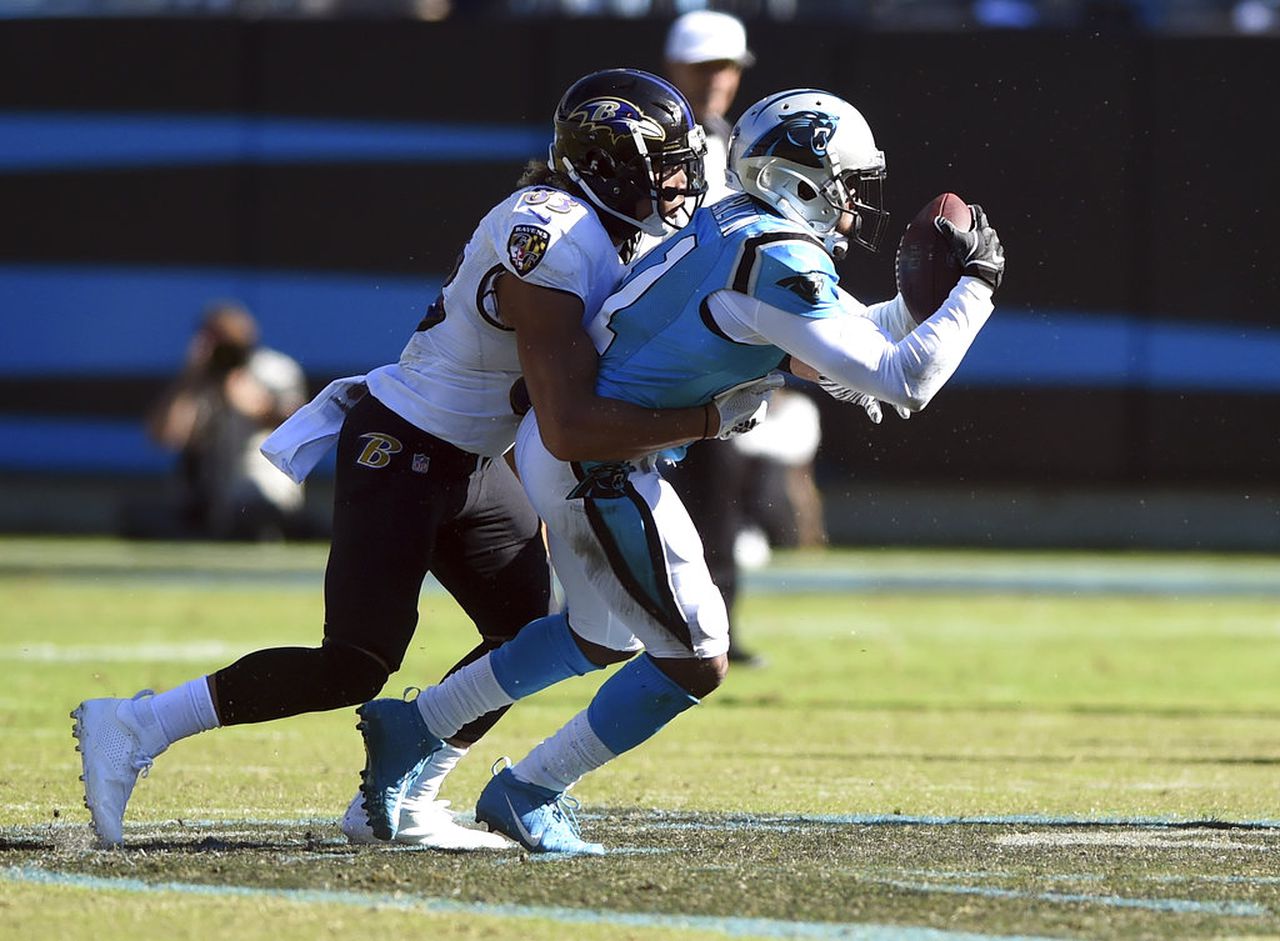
(620, 118)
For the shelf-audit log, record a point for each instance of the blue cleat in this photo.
(397, 745)
(540, 820)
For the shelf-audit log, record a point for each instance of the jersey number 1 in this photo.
(632, 289)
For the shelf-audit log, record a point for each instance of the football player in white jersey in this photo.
(747, 284)
(421, 484)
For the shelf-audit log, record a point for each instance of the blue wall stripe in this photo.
(91, 445)
(57, 320)
(45, 142)
(1107, 349)
(80, 446)
(66, 319)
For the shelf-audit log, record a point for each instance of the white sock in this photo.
(427, 786)
(558, 762)
(462, 697)
(184, 710)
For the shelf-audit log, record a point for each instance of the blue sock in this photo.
(633, 704)
(542, 654)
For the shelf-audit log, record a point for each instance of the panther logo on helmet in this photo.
(786, 152)
(619, 117)
(820, 136)
(802, 138)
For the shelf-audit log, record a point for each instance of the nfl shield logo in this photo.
(420, 463)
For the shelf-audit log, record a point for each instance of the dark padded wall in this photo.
(1128, 176)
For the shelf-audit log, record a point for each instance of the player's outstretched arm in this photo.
(980, 255)
(853, 352)
(863, 354)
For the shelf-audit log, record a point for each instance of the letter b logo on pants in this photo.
(378, 449)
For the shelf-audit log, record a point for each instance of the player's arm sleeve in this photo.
(852, 349)
(891, 316)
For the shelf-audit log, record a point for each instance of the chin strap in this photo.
(652, 224)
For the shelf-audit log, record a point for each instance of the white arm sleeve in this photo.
(890, 316)
(856, 351)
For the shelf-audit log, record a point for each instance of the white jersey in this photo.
(456, 374)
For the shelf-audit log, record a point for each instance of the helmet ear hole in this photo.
(604, 166)
(805, 191)
(601, 162)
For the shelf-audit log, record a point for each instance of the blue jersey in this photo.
(658, 342)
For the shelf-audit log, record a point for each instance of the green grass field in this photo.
(943, 746)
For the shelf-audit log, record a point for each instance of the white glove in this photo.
(743, 407)
(869, 403)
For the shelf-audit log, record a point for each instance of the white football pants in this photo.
(626, 553)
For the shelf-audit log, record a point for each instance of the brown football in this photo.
(926, 268)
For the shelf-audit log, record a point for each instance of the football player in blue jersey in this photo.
(420, 482)
(750, 283)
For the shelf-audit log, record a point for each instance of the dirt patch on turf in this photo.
(1080, 881)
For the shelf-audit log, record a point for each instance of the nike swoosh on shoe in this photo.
(533, 841)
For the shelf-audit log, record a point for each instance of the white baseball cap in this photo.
(708, 36)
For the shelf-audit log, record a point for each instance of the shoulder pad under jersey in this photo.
(788, 269)
(549, 238)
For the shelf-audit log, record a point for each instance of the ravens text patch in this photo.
(526, 246)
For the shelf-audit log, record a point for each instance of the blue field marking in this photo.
(1217, 880)
(1170, 906)
(1018, 820)
(1088, 877)
(777, 821)
(729, 927)
(1105, 579)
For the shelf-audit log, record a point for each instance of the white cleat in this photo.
(112, 756)
(427, 823)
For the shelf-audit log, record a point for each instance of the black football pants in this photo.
(405, 503)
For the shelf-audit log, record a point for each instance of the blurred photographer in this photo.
(229, 396)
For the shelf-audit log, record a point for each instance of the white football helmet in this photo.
(811, 156)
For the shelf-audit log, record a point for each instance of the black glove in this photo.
(979, 249)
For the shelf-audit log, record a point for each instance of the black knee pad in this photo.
(287, 681)
(350, 674)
